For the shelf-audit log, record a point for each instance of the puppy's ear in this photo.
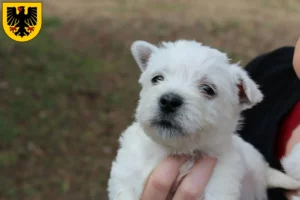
(141, 52)
(247, 90)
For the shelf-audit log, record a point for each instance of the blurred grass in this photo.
(36, 75)
(40, 80)
(59, 110)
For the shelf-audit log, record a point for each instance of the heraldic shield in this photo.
(22, 21)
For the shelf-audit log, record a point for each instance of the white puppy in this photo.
(190, 103)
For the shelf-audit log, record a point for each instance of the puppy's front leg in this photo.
(124, 195)
(135, 160)
(225, 183)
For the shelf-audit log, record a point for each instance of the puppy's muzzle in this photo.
(170, 102)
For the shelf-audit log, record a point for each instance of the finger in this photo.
(193, 185)
(296, 61)
(293, 195)
(162, 178)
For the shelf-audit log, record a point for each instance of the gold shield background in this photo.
(66, 95)
(37, 28)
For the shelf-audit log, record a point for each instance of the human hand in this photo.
(296, 61)
(191, 187)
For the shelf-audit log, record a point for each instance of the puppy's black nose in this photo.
(170, 102)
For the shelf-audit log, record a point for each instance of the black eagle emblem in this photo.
(24, 22)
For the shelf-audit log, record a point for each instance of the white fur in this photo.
(291, 165)
(203, 125)
(290, 162)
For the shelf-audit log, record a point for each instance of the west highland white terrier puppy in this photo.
(190, 103)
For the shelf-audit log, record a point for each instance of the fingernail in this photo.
(181, 158)
(206, 157)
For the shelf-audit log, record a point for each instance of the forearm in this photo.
(295, 138)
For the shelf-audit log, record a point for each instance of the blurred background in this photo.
(66, 96)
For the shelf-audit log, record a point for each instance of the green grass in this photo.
(39, 80)
(37, 73)
(57, 108)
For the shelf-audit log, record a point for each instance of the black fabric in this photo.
(274, 73)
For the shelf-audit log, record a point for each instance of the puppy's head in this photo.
(190, 91)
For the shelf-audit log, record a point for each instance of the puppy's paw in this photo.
(291, 163)
(295, 198)
(123, 195)
(219, 197)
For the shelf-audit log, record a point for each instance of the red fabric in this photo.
(285, 132)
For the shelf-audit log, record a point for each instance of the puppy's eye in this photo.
(156, 79)
(207, 90)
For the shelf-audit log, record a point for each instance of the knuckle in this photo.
(189, 193)
(160, 184)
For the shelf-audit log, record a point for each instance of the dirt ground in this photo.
(240, 27)
(68, 95)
